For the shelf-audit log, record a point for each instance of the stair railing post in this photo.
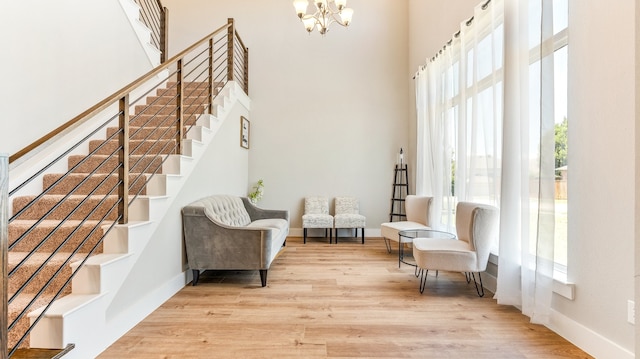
(230, 40)
(211, 82)
(164, 32)
(179, 105)
(246, 70)
(123, 160)
(4, 244)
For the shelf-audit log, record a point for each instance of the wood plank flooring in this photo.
(336, 301)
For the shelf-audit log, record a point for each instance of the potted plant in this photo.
(257, 193)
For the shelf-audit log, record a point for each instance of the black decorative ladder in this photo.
(400, 191)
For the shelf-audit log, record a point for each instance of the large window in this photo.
(553, 48)
(480, 143)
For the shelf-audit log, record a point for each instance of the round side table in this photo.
(407, 236)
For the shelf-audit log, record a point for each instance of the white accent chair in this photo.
(477, 227)
(316, 215)
(347, 215)
(417, 209)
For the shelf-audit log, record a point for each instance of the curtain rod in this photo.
(469, 22)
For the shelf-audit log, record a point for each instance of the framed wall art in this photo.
(244, 132)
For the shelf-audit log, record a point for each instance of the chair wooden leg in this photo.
(305, 235)
(362, 229)
(196, 276)
(263, 277)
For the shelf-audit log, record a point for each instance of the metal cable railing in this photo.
(142, 125)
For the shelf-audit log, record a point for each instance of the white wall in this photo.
(328, 114)
(601, 141)
(601, 185)
(58, 59)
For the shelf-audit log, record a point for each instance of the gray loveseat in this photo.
(230, 233)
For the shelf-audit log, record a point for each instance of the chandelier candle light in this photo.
(327, 12)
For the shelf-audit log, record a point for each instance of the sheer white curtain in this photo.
(433, 140)
(525, 270)
(486, 134)
(459, 117)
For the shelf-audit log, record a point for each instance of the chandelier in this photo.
(326, 13)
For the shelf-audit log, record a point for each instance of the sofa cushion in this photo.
(275, 223)
(444, 254)
(317, 221)
(228, 210)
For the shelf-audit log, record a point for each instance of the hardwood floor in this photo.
(336, 301)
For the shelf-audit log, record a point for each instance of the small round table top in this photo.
(426, 233)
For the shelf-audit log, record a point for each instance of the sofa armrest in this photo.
(256, 213)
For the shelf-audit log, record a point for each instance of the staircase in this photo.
(86, 197)
(80, 223)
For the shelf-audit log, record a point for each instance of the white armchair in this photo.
(316, 215)
(347, 215)
(417, 209)
(477, 227)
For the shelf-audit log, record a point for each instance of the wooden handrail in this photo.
(240, 40)
(84, 116)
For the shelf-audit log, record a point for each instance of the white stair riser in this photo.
(102, 274)
(125, 238)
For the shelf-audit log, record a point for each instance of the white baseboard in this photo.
(586, 339)
(489, 282)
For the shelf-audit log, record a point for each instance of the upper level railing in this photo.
(156, 18)
(122, 163)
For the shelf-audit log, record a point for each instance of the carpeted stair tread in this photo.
(28, 269)
(171, 85)
(73, 179)
(147, 133)
(171, 99)
(136, 147)
(36, 236)
(17, 306)
(106, 164)
(191, 106)
(103, 205)
(149, 120)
